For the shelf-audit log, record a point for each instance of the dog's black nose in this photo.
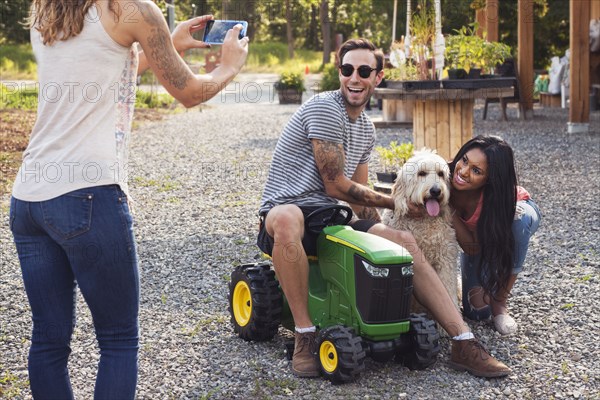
(435, 191)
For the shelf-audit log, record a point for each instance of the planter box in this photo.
(398, 110)
(289, 96)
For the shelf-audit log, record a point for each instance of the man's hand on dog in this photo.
(416, 211)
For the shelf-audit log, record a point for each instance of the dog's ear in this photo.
(398, 194)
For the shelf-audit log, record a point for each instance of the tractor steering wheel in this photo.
(327, 216)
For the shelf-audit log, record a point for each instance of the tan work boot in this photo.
(470, 355)
(304, 362)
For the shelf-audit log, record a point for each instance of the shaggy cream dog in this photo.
(424, 181)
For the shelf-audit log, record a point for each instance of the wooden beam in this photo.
(579, 72)
(487, 18)
(491, 10)
(481, 19)
(525, 56)
(595, 9)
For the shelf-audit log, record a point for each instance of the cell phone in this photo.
(215, 30)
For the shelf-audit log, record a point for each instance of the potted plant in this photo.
(456, 56)
(413, 66)
(422, 30)
(494, 54)
(404, 69)
(391, 158)
(290, 87)
(465, 51)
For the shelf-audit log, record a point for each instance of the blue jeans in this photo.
(83, 238)
(523, 228)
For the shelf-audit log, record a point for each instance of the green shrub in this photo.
(273, 57)
(17, 61)
(145, 99)
(394, 155)
(330, 80)
(24, 98)
(290, 80)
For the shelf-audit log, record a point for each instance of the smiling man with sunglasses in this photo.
(322, 158)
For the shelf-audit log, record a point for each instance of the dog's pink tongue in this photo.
(433, 207)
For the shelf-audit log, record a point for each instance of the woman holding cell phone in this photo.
(69, 212)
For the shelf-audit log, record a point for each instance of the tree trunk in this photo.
(312, 38)
(326, 30)
(250, 15)
(290, 33)
(225, 10)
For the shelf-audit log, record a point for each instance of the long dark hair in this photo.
(494, 228)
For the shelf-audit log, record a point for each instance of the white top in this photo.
(87, 88)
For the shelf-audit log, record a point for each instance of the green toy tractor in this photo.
(360, 290)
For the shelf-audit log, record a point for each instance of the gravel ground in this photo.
(196, 181)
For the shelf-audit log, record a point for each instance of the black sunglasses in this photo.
(364, 71)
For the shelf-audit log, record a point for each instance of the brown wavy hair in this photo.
(60, 19)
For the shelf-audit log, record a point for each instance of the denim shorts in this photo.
(309, 241)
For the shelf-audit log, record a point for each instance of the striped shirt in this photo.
(293, 175)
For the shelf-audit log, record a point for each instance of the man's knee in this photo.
(285, 221)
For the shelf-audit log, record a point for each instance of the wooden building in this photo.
(581, 12)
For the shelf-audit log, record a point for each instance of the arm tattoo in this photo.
(369, 213)
(361, 195)
(161, 51)
(330, 159)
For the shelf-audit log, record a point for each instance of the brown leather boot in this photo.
(470, 355)
(304, 362)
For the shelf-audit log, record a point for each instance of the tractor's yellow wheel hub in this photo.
(328, 356)
(242, 303)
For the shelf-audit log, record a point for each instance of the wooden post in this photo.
(487, 18)
(595, 9)
(579, 71)
(525, 57)
(491, 11)
(481, 19)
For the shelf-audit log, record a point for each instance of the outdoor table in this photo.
(443, 117)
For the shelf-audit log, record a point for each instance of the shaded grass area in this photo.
(11, 386)
(16, 125)
(18, 63)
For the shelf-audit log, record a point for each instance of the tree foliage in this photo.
(12, 17)
(346, 18)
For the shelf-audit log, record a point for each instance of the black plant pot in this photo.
(474, 73)
(386, 177)
(457, 73)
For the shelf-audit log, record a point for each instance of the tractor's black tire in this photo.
(256, 306)
(340, 354)
(424, 338)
